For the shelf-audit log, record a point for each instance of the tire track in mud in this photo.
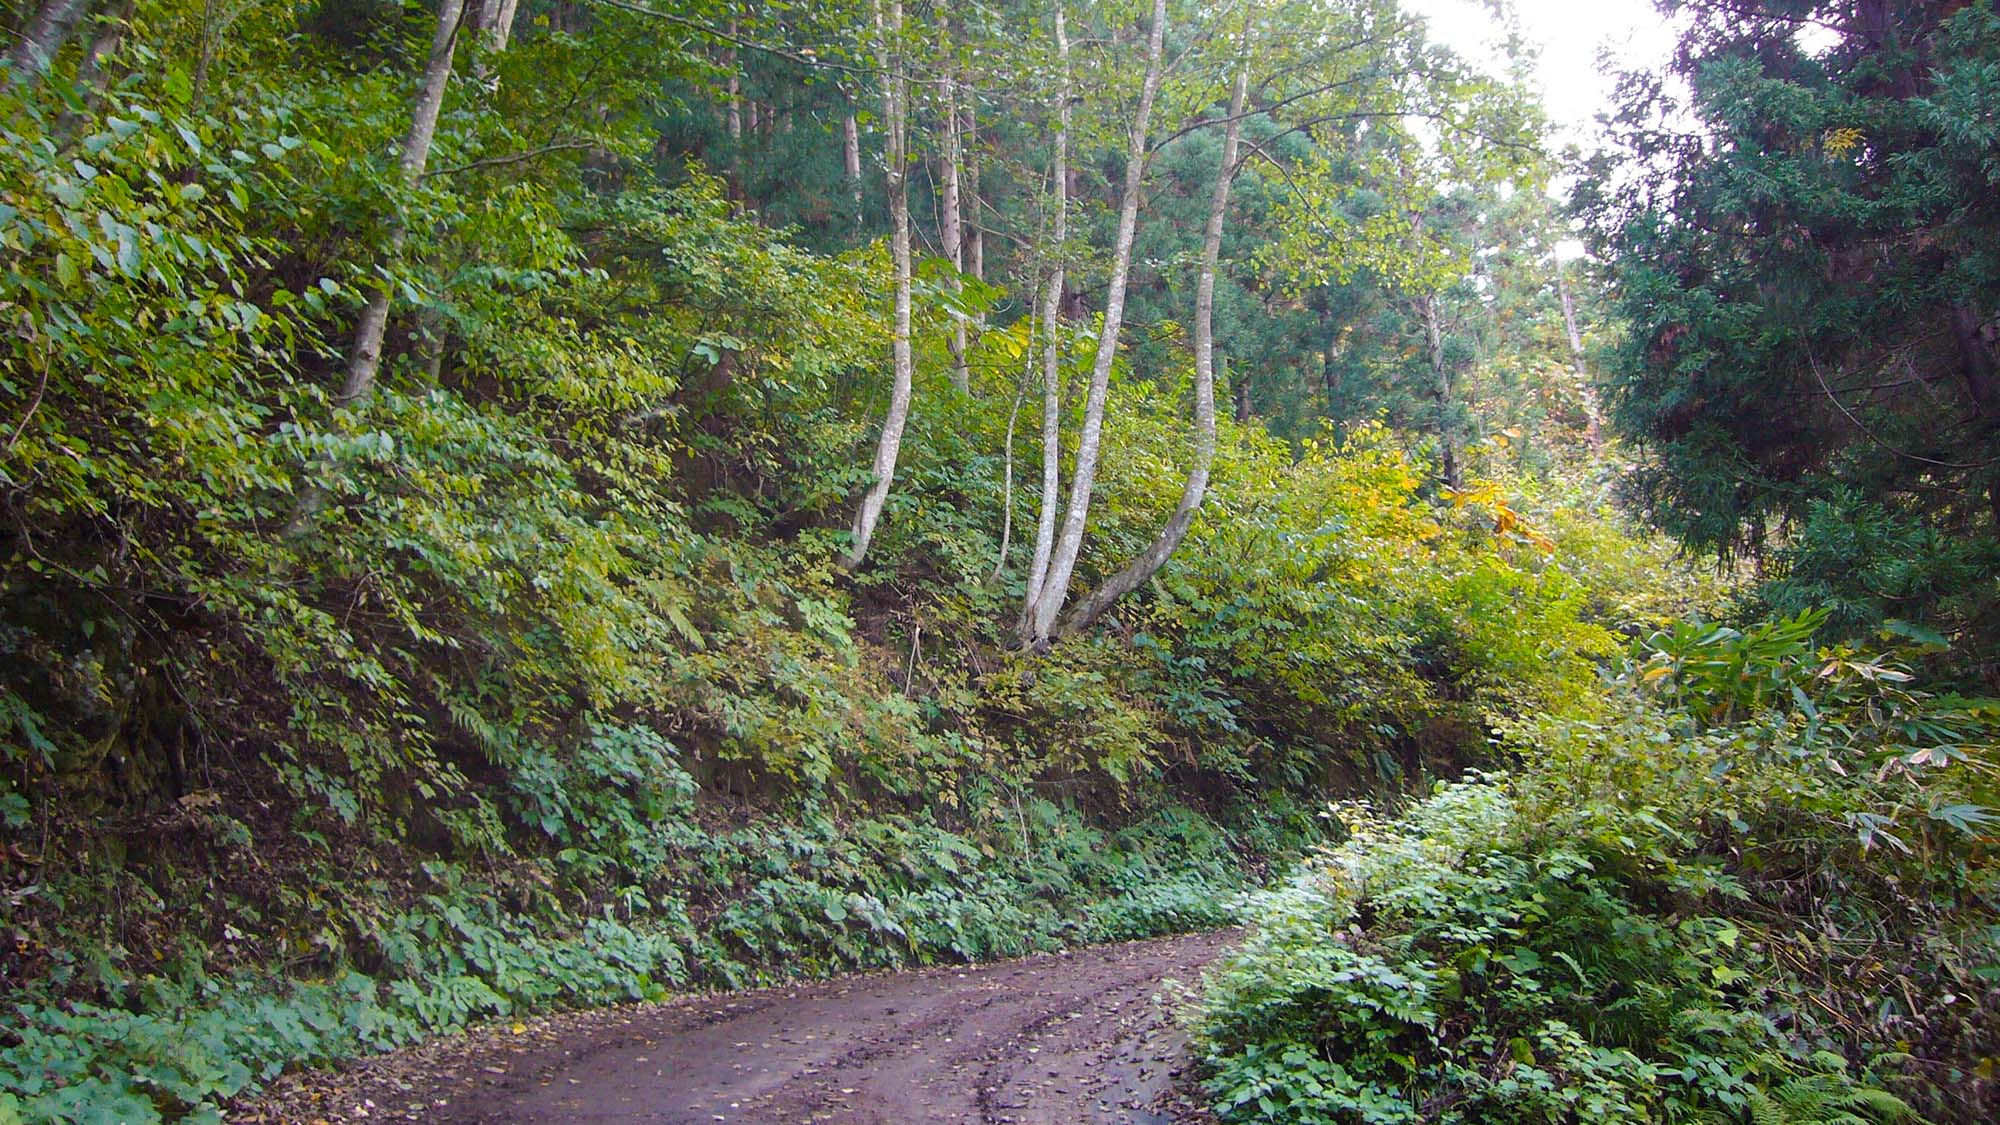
(1058, 1039)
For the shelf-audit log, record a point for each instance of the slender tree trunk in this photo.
(895, 99)
(503, 28)
(732, 119)
(1051, 498)
(975, 230)
(1062, 564)
(364, 357)
(1440, 390)
(850, 137)
(732, 100)
(48, 29)
(1569, 317)
(1028, 358)
(93, 74)
(117, 19)
(1977, 363)
(495, 25)
(951, 219)
(1980, 369)
(1007, 461)
(1150, 560)
(1593, 422)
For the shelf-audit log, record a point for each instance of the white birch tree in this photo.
(1051, 496)
(1149, 561)
(364, 356)
(895, 108)
(1054, 592)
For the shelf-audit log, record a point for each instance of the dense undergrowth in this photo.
(1748, 882)
(529, 680)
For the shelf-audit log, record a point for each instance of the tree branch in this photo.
(812, 61)
(511, 158)
(1813, 362)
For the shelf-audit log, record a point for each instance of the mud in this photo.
(1062, 1039)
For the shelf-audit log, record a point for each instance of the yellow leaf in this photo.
(1839, 142)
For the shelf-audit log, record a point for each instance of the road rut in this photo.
(1059, 1039)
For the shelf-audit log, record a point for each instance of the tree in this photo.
(895, 111)
(364, 356)
(495, 24)
(1593, 414)
(47, 30)
(1149, 561)
(1382, 211)
(1802, 245)
(1051, 307)
(1042, 612)
(951, 170)
(1441, 391)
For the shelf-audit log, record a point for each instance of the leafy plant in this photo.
(1464, 963)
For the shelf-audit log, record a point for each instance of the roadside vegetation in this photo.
(1740, 883)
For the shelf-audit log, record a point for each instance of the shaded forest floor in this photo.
(1079, 1036)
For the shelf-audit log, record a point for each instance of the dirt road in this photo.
(1060, 1039)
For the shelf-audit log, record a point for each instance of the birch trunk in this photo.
(850, 137)
(975, 232)
(732, 120)
(503, 28)
(93, 70)
(951, 219)
(1062, 563)
(364, 358)
(1441, 390)
(1051, 499)
(110, 36)
(895, 107)
(1149, 561)
(1593, 428)
(48, 29)
(732, 101)
(1007, 473)
(495, 25)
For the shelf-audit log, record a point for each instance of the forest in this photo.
(520, 506)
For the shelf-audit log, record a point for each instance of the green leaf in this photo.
(1921, 634)
(1968, 819)
(128, 251)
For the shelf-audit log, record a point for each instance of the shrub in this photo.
(1459, 965)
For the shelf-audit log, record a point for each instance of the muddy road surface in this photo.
(1060, 1039)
